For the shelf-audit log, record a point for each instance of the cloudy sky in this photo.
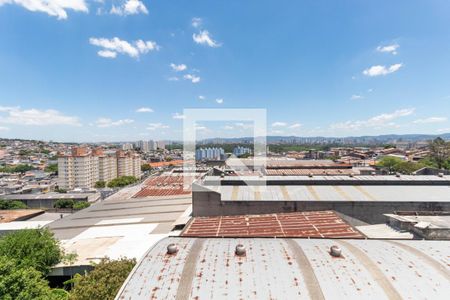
(101, 70)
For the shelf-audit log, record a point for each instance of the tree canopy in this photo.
(395, 164)
(32, 248)
(104, 281)
(12, 204)
(21, 282)
(122, 181)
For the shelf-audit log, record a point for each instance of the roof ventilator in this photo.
(240, 250)
(335, 251)
(441, 174)
(172, 249)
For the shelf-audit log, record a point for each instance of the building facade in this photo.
(83, 168)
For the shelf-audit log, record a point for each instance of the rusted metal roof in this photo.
(291, 269)
(307, 172)
(166, 185)
(318, 224)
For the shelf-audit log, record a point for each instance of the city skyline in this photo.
(125, 70)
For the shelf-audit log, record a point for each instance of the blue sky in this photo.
(80, 70)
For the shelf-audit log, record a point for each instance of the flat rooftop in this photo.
(329, 180)
(320, 224)
(119, 225)
(208, 268)
(10, 215)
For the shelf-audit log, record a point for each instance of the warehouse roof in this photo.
(317, 224)
(211, 268)
(388, 193)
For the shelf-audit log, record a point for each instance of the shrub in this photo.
(81, 205)
(100, 184)
(64, 203)
(5, 204)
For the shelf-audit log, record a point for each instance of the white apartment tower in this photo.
(83, 168)
(80, 169)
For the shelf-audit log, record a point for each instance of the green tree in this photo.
(389, 163)
(104, 281)
(35, 248)
(440, 151)
(122, 181)
(100, 184)
(53, 168)
(81, 205)
(146, 168)
(64, 203)
(14, 204)
(21, 282)
(408, 167)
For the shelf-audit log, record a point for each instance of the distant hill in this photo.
(387, 138)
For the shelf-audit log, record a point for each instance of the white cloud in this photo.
(36, 117)
(219, 100)
(173, 78)
(107, 122)
(129, 7)
(389, 48)
(154, 126)
(279, 124)
(107, 53)
(178, 116)
(192, 78)
(430, 120)
(3, 128)
(383, 120)
(381, 70)
(228, 127)
(356, 97)
(295, 125)
(55, 8)
(203, 38)
(178, 68)
(196, 22)
(111, 47)
(144, 110)
(201, 97)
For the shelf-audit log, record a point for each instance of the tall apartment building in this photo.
(107, 165)
(83, 168)
(80, 169)
(143, 145)
(210, 154)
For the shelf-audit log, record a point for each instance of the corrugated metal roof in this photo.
(334, 193)
(291, 269)
(319, 224)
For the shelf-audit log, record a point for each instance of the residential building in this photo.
(83, 168)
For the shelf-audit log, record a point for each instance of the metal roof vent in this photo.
(398, 174)
(335, 251)
(240, 250)
(172, 249)
(441, 174)
(311, 174)
(351, 175)
(222, 175)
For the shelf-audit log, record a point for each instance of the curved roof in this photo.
(291, 269)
